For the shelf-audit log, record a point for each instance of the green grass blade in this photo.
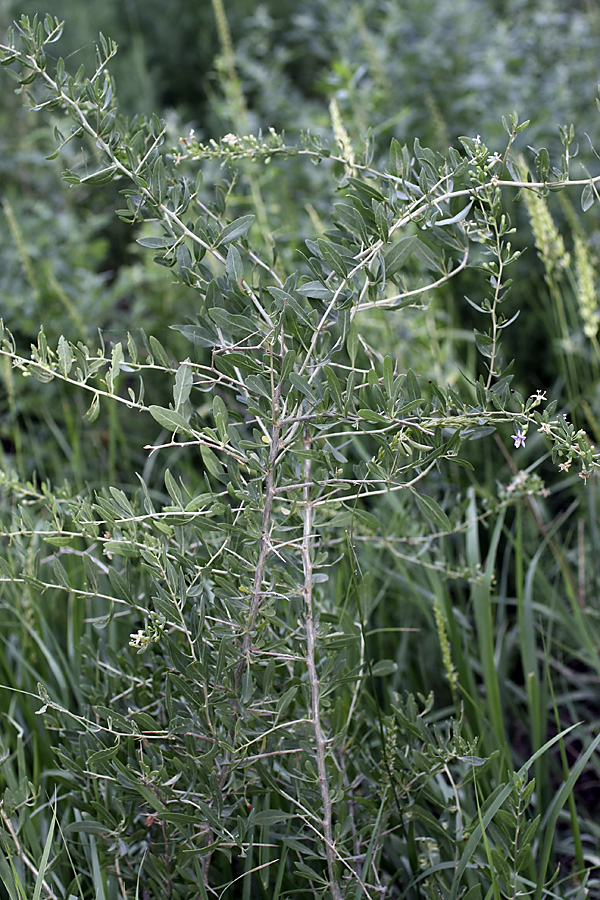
(97, 870)
(40, 881)
(482, 607)
(560, 798)
(10, 879)
(503, 795)
(371, 848)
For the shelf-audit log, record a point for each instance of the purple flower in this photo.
(519, 438)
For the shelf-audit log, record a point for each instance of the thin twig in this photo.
(389, 301)
(265, 545)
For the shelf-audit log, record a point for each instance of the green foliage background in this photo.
(431, 70)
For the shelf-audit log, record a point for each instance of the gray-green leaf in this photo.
(169, 419)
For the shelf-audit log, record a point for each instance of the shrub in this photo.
(229, 707)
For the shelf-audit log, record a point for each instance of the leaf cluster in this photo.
(227, 721)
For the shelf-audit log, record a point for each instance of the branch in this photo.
(389, 301)
(265, 547)
(307, 515)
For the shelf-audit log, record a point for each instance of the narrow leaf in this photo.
(169, 419)
(159, 352)
(212, 462)
(234, 265)
(65, 356)
(154, 243)
(398, 254)
(94, 410)
(121, 548)
(235, 230)
(587, 197)
(184, 379)
(433, 511)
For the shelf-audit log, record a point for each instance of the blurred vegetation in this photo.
(427, 70)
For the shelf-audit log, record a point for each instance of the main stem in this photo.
(307, 594)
